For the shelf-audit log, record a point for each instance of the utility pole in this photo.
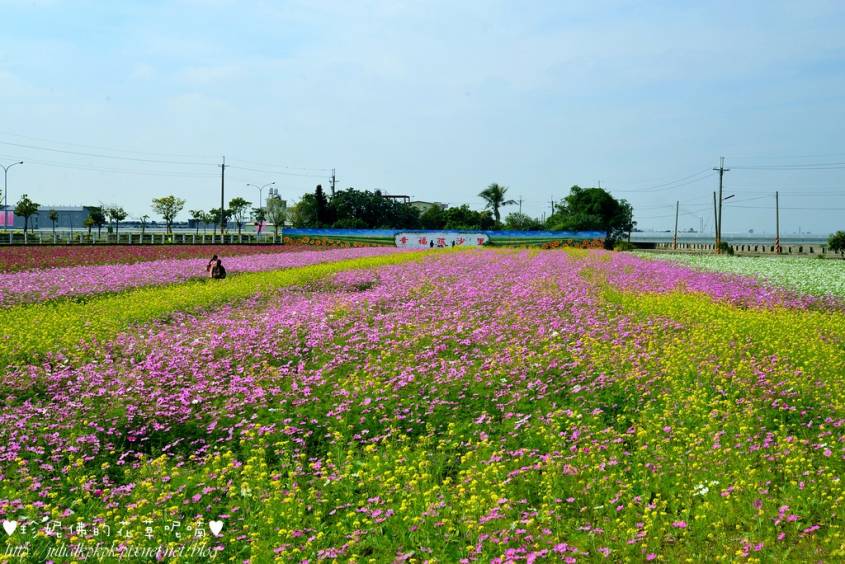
(722, 170)
(333, 181)
(223, 200)
(520, 204)
(777, 224)
(675, 238)
(715, 224)
(552, 202)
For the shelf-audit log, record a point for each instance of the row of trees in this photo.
(584, 209)
(240, 211)
(168, 207)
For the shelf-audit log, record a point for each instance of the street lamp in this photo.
(6, 193)
(261, 193)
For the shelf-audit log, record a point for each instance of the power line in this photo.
(101, 148)
(276, 165)
(278, 172)
(680, 183)
(160, 161)
(173, 174)
(103, 156)
(795, 166)
(789, 208)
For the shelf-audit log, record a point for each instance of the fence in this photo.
(752, 248)
(130, 238)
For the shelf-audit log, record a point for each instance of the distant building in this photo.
(68, 216)
(425, 206)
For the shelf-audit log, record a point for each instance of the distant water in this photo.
(735, 238)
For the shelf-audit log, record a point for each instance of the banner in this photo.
(439, 240)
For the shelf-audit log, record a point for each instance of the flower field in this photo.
(17, 258)
(454, 406)
(811, 276)
(46, 284)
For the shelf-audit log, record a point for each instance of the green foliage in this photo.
(239, 207)
(494, 195)
(517, 221)
(321, 207)
(98, 218)
(836, 242)
(277, 212)
(433, 218)
(462, 217)
(726, 249)
(593, 209)
(26, 208)
(303, 213)
(259, 215)
(214, 216)
(168, 207)
(353, 209)
(89, 223)
(198, 216)
(623, 246)
(116, 214)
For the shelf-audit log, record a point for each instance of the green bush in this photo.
(836, 243)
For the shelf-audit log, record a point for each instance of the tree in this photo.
(259, 215)
(26, 208)
(198, 216)
(302, 213)
(116, 214)
(98, 217)
(354, 209)
(321, 207)
(836, 243)
(494, 195)
(89, 223)
(54, 218)
(276, 213)
(168, 207)
(144, 219)
(238, 207)
(462, 217)
(517, 221)
(206, 219)
(593, 209)
(214, 214)
(433, 218)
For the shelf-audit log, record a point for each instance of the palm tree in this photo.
(144, 219)
(54, 217)
(494, 195)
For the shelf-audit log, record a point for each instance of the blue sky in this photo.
(432, 99)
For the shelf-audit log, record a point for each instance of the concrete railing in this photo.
(751, 248)
(131, 238)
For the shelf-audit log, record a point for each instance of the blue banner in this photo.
(493, 235)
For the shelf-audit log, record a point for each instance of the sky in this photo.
(120, 102)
